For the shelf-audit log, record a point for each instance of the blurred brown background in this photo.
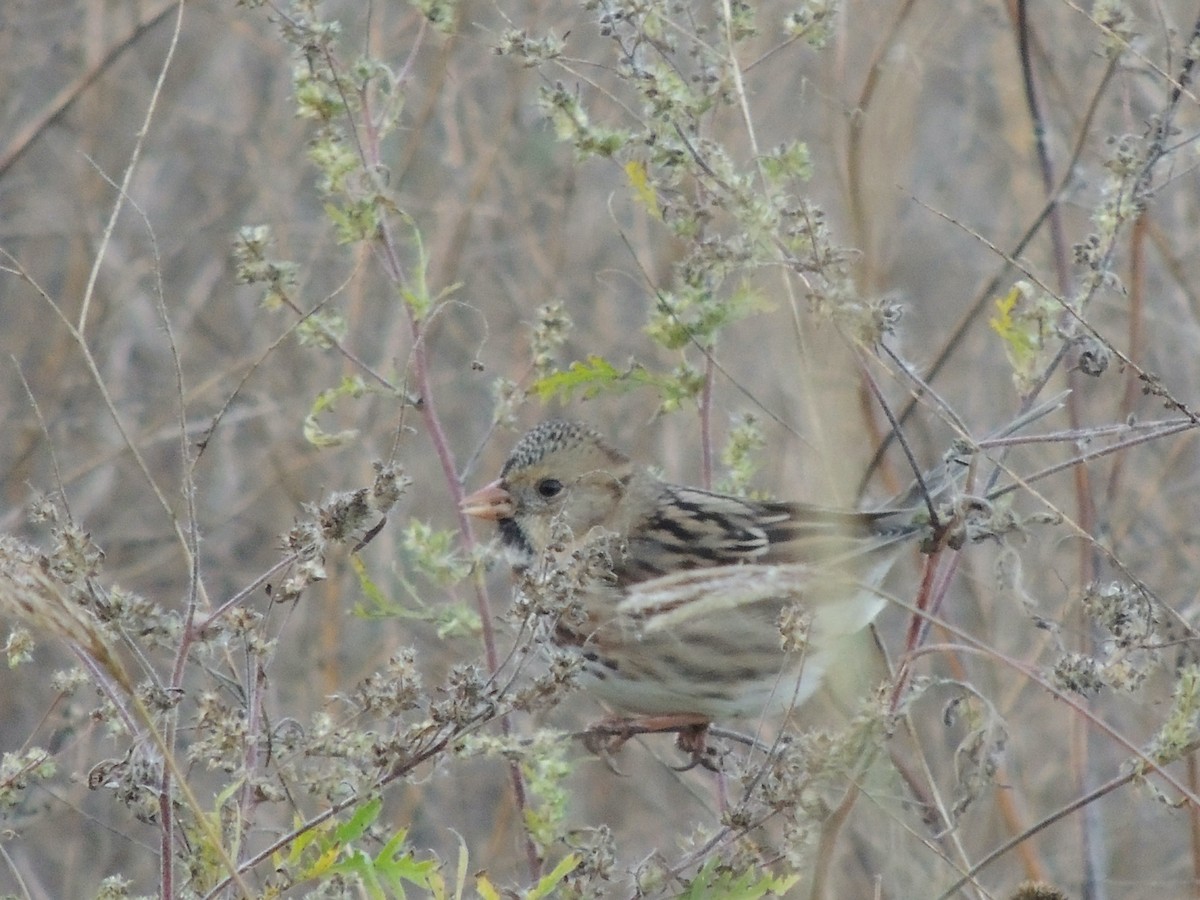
(924, 160)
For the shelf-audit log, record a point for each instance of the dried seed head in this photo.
(30, 592)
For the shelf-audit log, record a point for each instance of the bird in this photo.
(687, 622)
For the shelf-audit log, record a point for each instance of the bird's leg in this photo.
(609, 735)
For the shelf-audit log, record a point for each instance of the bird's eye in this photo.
(549, 487)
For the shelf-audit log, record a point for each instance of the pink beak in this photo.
(491, 502)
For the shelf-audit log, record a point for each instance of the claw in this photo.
(693, 740)
(609, 735)
(603, 741)
(609, 762)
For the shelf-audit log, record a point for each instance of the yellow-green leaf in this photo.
(643, 190)
(353, 387)
(548, 883)
(1025, 321)
(485, 887)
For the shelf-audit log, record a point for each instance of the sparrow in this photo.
(714, 606)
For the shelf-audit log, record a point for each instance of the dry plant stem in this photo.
(706, 399)
(251, 369)
(831, 828)
(856, 142)
(15, 872)
(256, 682)
(1174, 264)
(109, 404)
(1177, 453)
(1014, 818)
(944, 408)
(1078, 320)
(45, 432)
(1045, 167)
(165, 740)
(936, 815)
(942, 577)
(726, 832)
(709, 358)
(386, 247)
(117, 696)
(959, 331)
(703, 851)
(1156, 428)
(420, 122)
(980, 648)
(1156, 152)
(876, 435)
(389, 256)
(1164, 127)
(1080, 459)
(1085, 509)
(188, 490)
(1085, 800)
(435, 748)
(738, 84)
(1193, 776)
(1136, 290)
(61, 103)
(143, 723)
(334, 341)
(929, 599)
(723, 835)
(1091, 831)
(134, 155)
(918, 389)
(238, 598)
(789, 289)
(1080, 803)
(1104, 550)
(908, 454)
(482, 601)
(1179, 85)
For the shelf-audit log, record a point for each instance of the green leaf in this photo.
(717, 881)
(451, 619)
(548, 883)
(434, 554)
(788, 161)
(354, 828)
(590, 378)
(460, 879)
(353, 387)
(298, 845)
(357, 221)
(371, 591)
(395, 863)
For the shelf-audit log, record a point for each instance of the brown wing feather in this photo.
(690, 528)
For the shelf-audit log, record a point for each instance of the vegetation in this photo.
(281, 281)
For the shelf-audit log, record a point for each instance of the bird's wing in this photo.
(691, 529)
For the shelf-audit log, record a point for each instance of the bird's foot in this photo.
(609, 735)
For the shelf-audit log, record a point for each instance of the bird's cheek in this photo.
(598, 512)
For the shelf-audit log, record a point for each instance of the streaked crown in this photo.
(551, 437)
